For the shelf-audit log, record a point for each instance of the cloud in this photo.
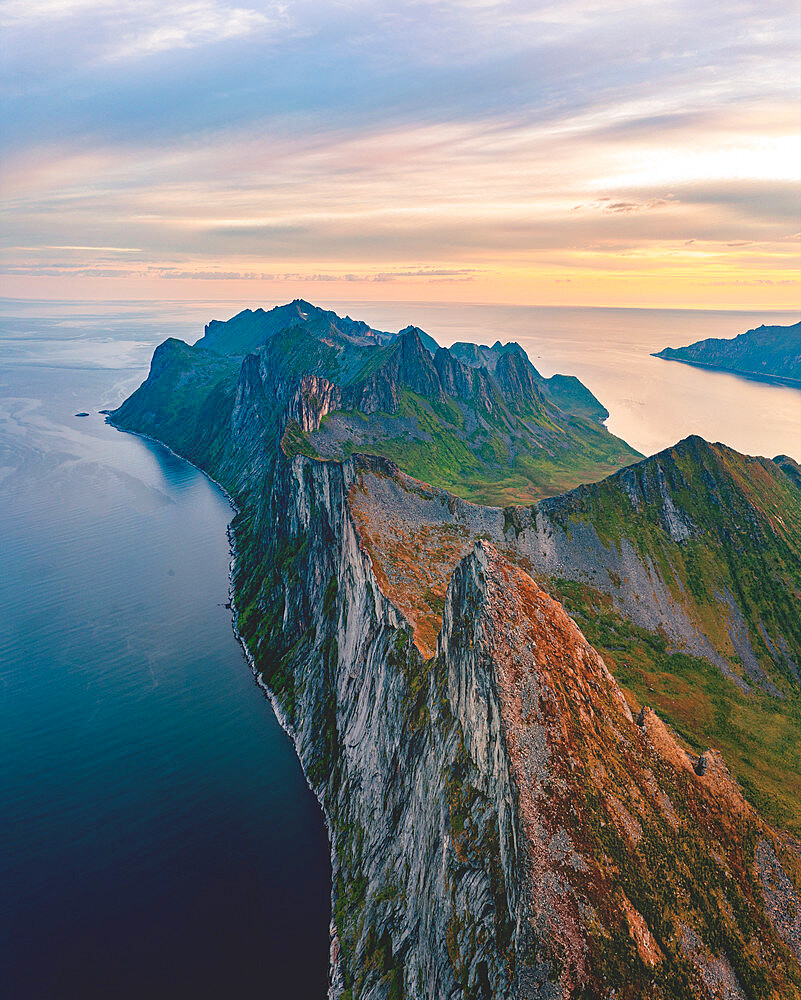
(121, 30)
(636, 206)
(244, 138)
(168, 272)
(190, 25)
(625, 207)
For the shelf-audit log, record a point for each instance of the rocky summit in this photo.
(553, 727)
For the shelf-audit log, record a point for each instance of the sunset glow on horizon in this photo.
(553, 153)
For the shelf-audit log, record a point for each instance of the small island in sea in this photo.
(768, 353)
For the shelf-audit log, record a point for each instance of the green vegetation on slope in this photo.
(186, 402)
(735, 537)
(250, 330)
(742, 551)
(499, 461)
(495, 434)
(758, 734)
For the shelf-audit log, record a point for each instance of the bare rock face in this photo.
(501, 827)
(313, 398)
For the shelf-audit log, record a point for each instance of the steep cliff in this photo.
(685, 571)
(501, 826)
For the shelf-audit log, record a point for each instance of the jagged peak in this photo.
(410, 330)
(426, 339)
(411, 335)
(510, 347)
(482, 355)
(518, 379)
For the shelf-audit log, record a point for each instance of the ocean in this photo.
(157, 836)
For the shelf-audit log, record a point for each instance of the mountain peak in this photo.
(249, 331)
(426, 339)
(518, 378)
(411, 334)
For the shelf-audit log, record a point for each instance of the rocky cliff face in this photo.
(406, 757)
(501, 826)
(633, 539)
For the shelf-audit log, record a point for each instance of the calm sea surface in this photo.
(156, 834)
(157, 838)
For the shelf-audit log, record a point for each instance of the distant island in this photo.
(769, 353)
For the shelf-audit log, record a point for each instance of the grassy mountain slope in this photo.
(186, 401)
(489, 434)
(738, 573)
(497, 432)
(723, 529)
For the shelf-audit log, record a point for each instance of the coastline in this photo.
(790, 383)
(279, 713)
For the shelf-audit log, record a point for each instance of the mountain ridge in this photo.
(502, 826)
(500, 434)
(251, 329)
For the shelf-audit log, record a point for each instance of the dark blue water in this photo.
(157, 838)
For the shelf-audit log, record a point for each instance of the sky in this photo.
(569, 152)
